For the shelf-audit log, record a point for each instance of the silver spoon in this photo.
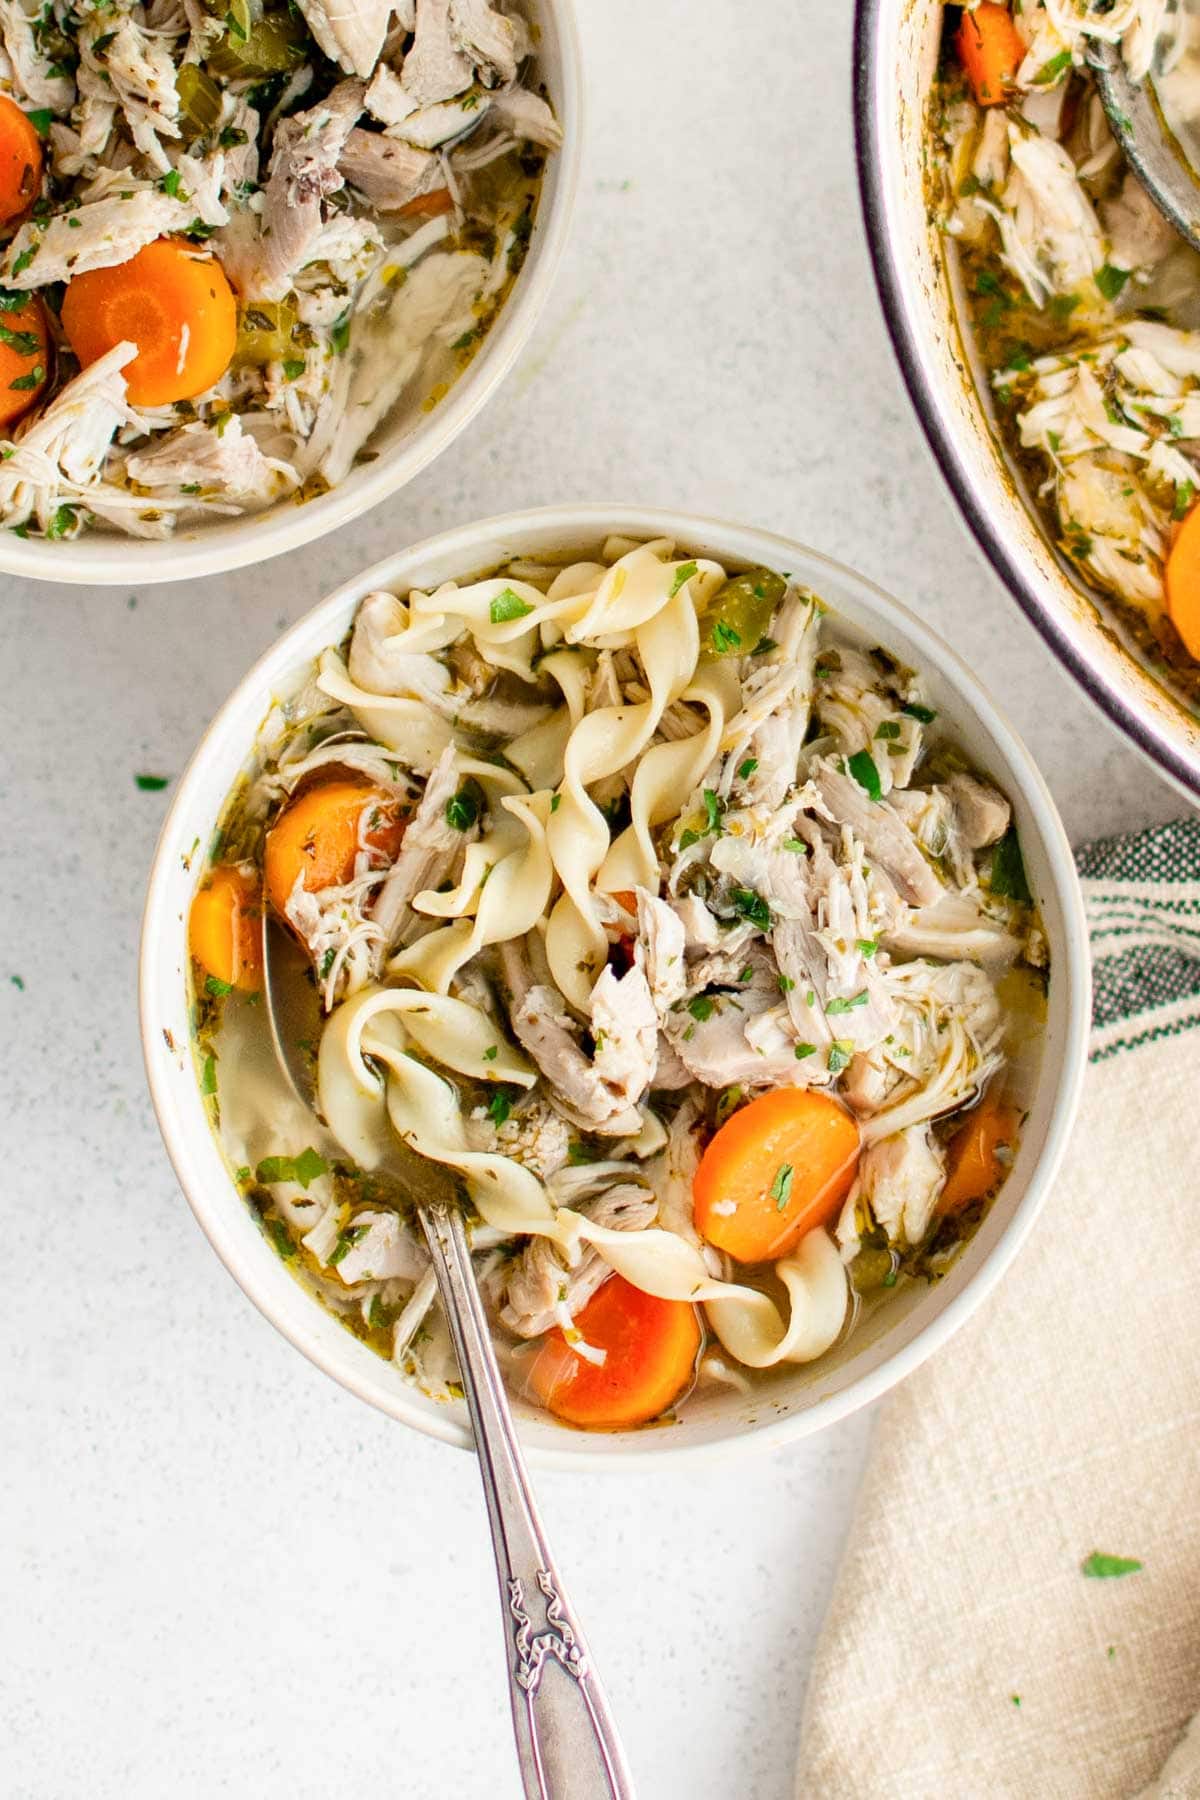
(1150, 147)
(567, 1743)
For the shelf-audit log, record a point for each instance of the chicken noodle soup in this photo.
(657, 909)
(240, 240)
(1082, 300)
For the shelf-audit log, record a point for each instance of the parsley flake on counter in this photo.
(1102, 1567)
(152, 784)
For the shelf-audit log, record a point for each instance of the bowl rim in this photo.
(898, 307)
(589, 521)
(115, 561)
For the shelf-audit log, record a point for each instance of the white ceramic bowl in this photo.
(900, 1335)
(403, 451)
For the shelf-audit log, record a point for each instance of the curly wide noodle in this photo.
(552, 829)
(422, 1108)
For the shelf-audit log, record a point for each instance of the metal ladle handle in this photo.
(1147, 142)
(567, 1743)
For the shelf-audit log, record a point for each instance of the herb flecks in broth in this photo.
(709, 971)
(1082, 300)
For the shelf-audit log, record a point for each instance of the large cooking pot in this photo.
(895, 59)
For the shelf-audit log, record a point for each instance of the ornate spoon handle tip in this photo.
(567, 1743)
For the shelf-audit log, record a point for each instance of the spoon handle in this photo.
(567, 1743)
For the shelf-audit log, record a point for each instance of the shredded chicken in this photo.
(355, 306)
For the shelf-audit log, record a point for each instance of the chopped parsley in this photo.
(1050, 71)
(862, 766)
(25, 343)
(580, 1153)
(682, 575)
(208, 1075)
(838, 1005)
(41, 118)
(303, 1168)
(170, 184)
(282, 1239)
(781, 1187)
(216, 987)
(1183, 499)
(26, 383)
(555, 802)
(746, 769)
(26, 257)
(888, 729)
(866, 946)
(725, 638)
(1102, 1567)
(293, 368)
(840, 1052)
(1009, 880)
(764, 646)
(152, 784)
(786, 984)
(702, 1007)
(751, 906)
(499, 1106)
(339, 333)
(346, 1240)
(506, 606)
(914, 710)
(803, 1050)
(797, 846)
(62, 522)
(491, 1054)
(1110, 281)
(462, 808)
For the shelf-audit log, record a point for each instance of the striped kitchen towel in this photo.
(1018, 1610)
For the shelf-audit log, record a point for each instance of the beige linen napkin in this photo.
(966, 1652)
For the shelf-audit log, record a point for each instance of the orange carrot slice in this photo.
(1183, 583)
(974, 1168)
(650, 1349)
(991, 51)
(317, 834)
(20, 161)
(427, 206)
(173, 301)
(776, 1169)
(24, 359)
(225, 929)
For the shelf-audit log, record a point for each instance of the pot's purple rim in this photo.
(1155, 745)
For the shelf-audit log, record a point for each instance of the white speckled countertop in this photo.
(220, 1574)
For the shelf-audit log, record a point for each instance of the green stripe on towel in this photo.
(1142, 894)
